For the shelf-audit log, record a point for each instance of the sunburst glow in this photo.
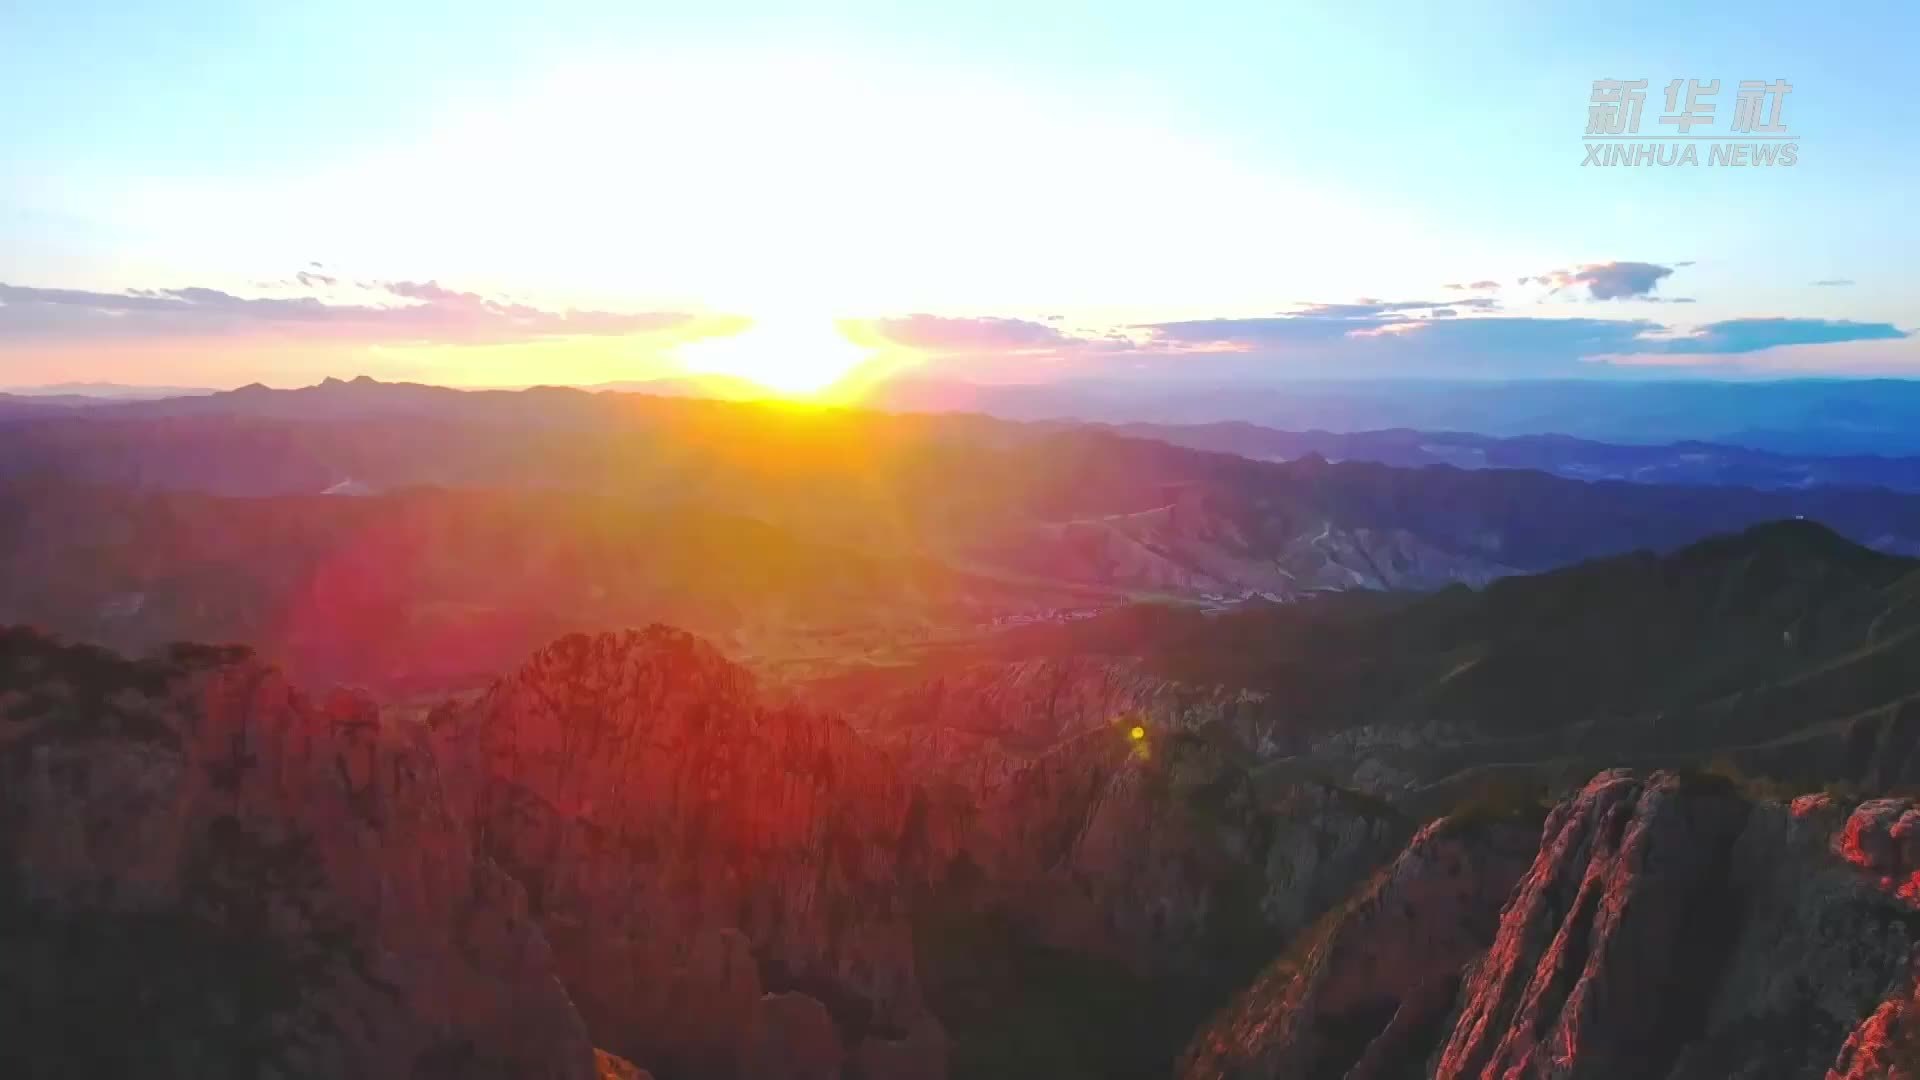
(794, 355)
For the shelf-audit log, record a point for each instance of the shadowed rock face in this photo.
(206, 873)
(1112, 811)
(1362, 997)
(1124, 862)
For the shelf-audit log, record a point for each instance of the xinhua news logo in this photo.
(1756, 134)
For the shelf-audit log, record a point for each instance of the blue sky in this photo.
(1004, 190)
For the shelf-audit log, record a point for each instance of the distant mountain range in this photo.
(886, 530)
(1701, 463)
(82, 392)
(1823, 418)
(1686, 462)
(1820, 417)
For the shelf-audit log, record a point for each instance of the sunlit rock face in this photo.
(1714, 937)
(1879, 839)
(310, 888)
(1611, 943)
(204, 872)
(1667, 926)
(687, 848)
(614, 1067)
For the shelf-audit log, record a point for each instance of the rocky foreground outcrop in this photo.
(204, 872)
(716, 876)
(622, 845)
(1668, 926)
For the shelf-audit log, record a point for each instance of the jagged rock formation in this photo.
(1112, 811)
(312, 888)
(1727, 940)
(1115, 858)
(687, 849)
(1612, 941)
(1667, 927)
(204, 872)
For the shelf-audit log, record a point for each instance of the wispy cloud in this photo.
(1733, 336)
(1369, 308)
(395, 312)
(1393, 344)
(1838, 282)
(946, 334)
(1389, 342)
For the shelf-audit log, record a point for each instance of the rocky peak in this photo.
(652, 806)
(1667, 926)
(1611, 941)
(204, 871)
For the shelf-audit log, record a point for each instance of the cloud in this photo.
(1390, 343)
(399, 312)
(1607, 281)
(1369, 308)
(1395, 345)
(1733, 336)
(1478, 286)
(1834, 282)
(942, 334)
(1250, 334)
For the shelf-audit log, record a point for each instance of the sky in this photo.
(491, 193)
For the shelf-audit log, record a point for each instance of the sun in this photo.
(797, 356)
